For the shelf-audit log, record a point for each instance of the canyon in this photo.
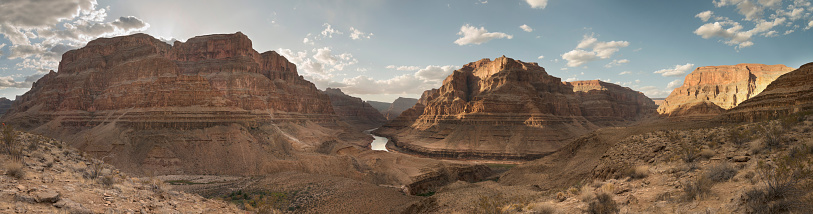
(509, 109)
(214, 106)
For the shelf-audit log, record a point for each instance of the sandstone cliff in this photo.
(354, 111)
(788, 94)
(725, 86)
(509, 109)
(380, 106)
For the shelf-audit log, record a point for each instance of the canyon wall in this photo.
(722, 86)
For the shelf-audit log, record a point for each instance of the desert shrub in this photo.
(720, 172)
(586, 194)
(739, 136)
(573, 190)
(773, 135)
(706, 153)
(11, 145)
(15, 170)
(542, 208)
(786, 187)
(561, 196)
(637, 172)
(108, 180)
(93, 171)
(603, 204)
(697, 188)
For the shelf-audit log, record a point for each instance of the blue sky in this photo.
(380, 50)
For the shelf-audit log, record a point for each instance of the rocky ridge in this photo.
(509, 109)
(725, 86)
(354, 111)
(399, 105)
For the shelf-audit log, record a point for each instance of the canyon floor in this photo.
(656, 166)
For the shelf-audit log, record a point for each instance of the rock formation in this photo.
(5, 104)
(211, 105)
(509, 109)
(788, 94)
(724, 86)
(399, 105)
(354, 111)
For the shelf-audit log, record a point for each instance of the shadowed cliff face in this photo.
(790, 93)
(510, 109)
(724, 86)
(354, 111)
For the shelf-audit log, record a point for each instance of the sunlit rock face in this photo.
(723, 86)
(507, 108)
(790, 93)
(210, 105)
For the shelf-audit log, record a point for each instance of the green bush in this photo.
(787, 186)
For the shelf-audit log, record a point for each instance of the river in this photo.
(379, 143)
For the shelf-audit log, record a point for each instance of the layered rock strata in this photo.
(354, 111)
(509, 109)
(790, 93)
(724, 86)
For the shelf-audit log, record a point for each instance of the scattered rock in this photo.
(46, 196)
(741, 158)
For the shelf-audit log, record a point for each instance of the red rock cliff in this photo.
(507, 108)
(788, 94)
(355, 111)
(725, 86)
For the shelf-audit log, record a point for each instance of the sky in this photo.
(380, 50)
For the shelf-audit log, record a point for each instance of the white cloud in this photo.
(705, 15)
(41, 31)
(624, 73)
(616, 62)
(329, 31)
(599, 50)
(537, 4)
(474, 35)
(676, 71)
(307, 41)
(768, 18)
(321, 62)
(403, 68)
(809, 25)
(674, 84)
(356, 34)
(541, 57)
(526, 28)
(429, 77)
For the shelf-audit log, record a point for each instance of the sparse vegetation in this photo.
(697, 188)
(11, 145)
(739, 136)
(15, 170)
(720, 172)
(787, 187)
(638, 172)
(603, 204)
(773, 135)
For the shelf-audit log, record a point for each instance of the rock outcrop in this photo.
(354, 111)
(725, 86)
(5, 104)
(399, 105)
(509, 109)
(603, 102)
(790, 93)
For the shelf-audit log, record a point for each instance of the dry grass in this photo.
(542, 208)
(604, 204)
(15, 170)
(638, 172)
